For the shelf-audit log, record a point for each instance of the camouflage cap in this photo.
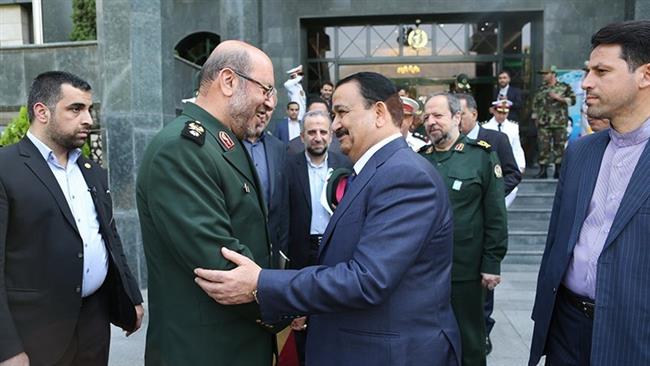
(548, 69)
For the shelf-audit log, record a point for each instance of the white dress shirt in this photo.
(77, 194)
(320, 217)
(293, 128)
(363, 160)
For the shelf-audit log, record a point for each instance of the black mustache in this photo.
(341, 132)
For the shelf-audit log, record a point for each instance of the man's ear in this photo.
(227, 81)
(381, 112)
(644, 81)
(41, 113)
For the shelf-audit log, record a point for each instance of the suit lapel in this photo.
(94, 185)
(40, 168)
(636, 194)
(271, 164)
(303, 178)
(592, 159)
(359, 184)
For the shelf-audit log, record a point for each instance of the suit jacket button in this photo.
(80, 255)
(554, 290)
(78, 289)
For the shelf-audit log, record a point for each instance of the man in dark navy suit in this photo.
(307, 174)
(505, 91)
(289, 128)
(381, 292)
(593, 295)
(269, 156)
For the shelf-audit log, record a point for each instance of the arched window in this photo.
(196, 47)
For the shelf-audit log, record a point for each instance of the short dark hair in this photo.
(375, 88)
(292, 102)
(469, 99)
(327, 83)
(237, 59)
(314, 101)
(504, 71)
(632, 36)
(46, 89)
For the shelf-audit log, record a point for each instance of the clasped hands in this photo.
(231, 287)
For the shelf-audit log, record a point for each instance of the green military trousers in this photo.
(467, 299)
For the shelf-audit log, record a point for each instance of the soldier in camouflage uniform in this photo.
(551, 115)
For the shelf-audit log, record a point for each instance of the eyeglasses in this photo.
(269, 90)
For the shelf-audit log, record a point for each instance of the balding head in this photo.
(235, 86)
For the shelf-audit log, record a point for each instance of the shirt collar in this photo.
(473, 134)
(260, 140)
(358, 166)
(635, 137)
(48, 154)
(311, 164)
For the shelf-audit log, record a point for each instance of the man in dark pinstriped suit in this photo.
(593, 295)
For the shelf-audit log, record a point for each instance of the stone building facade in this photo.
(139, 77)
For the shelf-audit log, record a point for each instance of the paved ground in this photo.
(510, 337)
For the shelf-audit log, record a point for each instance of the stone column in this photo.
(135, 62)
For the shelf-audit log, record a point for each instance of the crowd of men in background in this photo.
(374, 248)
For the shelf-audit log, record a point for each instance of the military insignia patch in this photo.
(459, 146)
(483, 144)
(497, 171)
(247, 189)
(194, 131)
(225, 140)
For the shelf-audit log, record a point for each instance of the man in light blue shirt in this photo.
(63, 273)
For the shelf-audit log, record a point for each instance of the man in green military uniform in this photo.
(551, 115)
(197, 192)
(474, 179)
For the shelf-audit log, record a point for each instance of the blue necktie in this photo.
(350, 180)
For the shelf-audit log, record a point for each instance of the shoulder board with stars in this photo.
(483, 144)
(420, 136)
(426, 149)
(194, 131)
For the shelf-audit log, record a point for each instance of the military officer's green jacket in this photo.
(197, 192)
(473, 176)
(549, 112)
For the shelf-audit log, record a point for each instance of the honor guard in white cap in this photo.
(295, 91)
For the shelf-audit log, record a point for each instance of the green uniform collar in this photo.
(224, 135)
